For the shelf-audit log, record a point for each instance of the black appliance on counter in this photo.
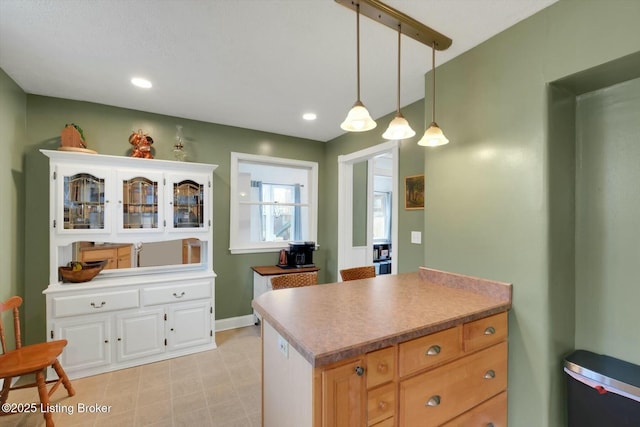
(299, 255)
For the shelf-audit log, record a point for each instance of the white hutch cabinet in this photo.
(143, 312)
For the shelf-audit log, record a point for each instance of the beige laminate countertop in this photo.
(328, 323)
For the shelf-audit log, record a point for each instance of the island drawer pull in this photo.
(179, 296)
(359, 370)
(433, 401)
(489, 425)
(383, 368)
(93, 304)
(382, 405)
(434, 350)
(490, 330)
(491, 374)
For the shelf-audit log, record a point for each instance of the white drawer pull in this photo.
(490, 330)
(434, 401)
(491, 374)
(93, 304)
(178, 296)
(434, 350)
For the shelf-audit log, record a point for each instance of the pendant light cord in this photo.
(433, 82)
(358, 48)
(398, 99)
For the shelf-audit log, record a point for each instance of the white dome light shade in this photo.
(433, 137)
(398, 129)
(358, 119)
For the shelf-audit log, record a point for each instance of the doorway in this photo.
(359, 186)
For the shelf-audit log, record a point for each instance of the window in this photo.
(273, 202)
(381, 216)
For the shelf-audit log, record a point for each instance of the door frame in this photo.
(348, 255)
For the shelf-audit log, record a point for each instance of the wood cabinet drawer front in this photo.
(381, 403)
(493, 412)
(95, 303)
(430, 350)
(381, 366)
(176, 293)
(441, 394)
(485, 332)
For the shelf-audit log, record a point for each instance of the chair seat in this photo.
(30, 358)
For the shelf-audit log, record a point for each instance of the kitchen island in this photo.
(422, 348)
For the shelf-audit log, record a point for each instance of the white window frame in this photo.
(238, 247)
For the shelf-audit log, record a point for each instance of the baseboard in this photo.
(235, 322)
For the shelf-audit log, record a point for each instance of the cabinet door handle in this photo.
(382, 405)
(490, 330)
(359, 371)
(433, 401)
(178, 296)
(106, 341)
(490, 374)
(383, 368)
(93, 304)
(433, 350)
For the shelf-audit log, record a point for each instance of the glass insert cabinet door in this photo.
(83, 204)
(140, 203)
(189, 204)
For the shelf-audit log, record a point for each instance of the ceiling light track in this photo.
(395, 19)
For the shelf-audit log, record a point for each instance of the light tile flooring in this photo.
(219, 387)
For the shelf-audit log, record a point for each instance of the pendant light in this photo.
(433, 137)
(399, 127)
(358, 118)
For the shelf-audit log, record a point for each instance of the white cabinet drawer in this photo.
(176, 293)
(95, 303)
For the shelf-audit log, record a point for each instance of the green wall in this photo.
(107, 130)
(12, 136)
(501, 195)
(607, 232)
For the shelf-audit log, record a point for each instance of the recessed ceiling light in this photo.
(143, 83)
(309, 116)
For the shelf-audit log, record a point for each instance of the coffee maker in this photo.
(299, 254)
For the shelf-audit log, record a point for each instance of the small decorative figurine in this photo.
(72, 139)
(141, 145)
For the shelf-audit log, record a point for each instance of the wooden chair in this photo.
(356, 273)
(30, 359)
(294, 280)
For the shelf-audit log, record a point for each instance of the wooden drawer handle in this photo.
(490, 330)
(93, 304)
(382, 405)
(383, 368)
(433, 401)
(178, 296)
(434, 350)
(490, 374)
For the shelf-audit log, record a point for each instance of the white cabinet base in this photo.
(178, 321)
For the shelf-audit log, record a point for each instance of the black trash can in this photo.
(602, 391)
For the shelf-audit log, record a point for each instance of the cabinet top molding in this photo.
(101, 159)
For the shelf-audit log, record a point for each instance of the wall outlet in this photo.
(283, 346)
(416, 237)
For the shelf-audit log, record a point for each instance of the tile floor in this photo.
(219, 387)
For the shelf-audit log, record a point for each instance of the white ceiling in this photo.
(256, 64)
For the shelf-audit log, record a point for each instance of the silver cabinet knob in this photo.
(490, 330)
(433, 350)
(433, 401)
(490, 374)
(359, 371)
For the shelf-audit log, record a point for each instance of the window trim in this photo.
(236, 247)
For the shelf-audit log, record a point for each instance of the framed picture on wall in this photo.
(414, 192)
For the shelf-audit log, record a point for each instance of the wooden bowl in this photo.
(88, 272)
